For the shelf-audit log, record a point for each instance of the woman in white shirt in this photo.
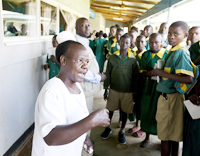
(61, 115)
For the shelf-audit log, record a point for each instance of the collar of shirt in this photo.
(159, 54)
(139, 55)
(114, 42)
(82, 39)
(147, 38)
(178, 46)
(199, 43)
(130, 54)
(134, 49)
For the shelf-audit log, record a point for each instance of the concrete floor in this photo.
(109, 147)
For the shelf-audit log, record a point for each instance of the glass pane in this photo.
(19, 17)
(48, 19)
(70, 22)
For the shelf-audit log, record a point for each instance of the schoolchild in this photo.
(123, 65)
(148, 30)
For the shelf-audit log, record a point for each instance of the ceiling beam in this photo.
(119, 5)
(118, 16)
(137, 1)
(116, 13)
(103, 7)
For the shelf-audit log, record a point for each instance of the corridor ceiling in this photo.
(122, 11)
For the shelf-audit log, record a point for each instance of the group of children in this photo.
(130, 86)
(158, 105)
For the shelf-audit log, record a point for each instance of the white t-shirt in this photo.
(57, 106)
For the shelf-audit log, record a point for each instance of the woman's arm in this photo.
(64, 134)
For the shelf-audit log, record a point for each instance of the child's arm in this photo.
(194, 99)
(197, 61)
(179, 78)
(107, 81)
(54, 60)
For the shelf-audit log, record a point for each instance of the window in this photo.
(69, 21)
(19, 18)
(48, 19)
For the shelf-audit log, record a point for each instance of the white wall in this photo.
(111, 23)
(98, 23)
(21, 78)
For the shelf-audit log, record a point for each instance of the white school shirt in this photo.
(57, 106)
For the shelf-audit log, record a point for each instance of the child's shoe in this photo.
(121, 138)
(106, 133)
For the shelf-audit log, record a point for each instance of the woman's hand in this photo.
(100, 118)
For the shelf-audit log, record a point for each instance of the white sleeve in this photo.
(91, 77)
(50, 112)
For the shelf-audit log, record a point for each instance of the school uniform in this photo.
(91, 44)
(191, 139)
(137, 98)
(112, 46)
(150, 95)
(170, 109)
(194, 51)
(147, 45)
(121, 76)
(54, 69)
(134, 49)
(99, 52)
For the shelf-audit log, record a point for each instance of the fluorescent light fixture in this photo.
(120, 19)
(118, 8)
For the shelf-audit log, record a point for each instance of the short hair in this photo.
(79, 20)
(105, 35)
(195, 27)
(141, 36)
(55, 36)
(133, 27)
(154, 35)
(149, 26)
(125, 36)
(163, 23)
(101, 33)
(183, 25)
(113, 27)
(117, 26)
(119, 29)
(131, 31)
(63, 48)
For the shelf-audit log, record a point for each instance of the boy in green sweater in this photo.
(123, 65)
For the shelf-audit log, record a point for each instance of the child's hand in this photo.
(194, 99)
(103, 77)
(46, 66)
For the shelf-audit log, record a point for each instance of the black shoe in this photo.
(106, 133)
(121, 138)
